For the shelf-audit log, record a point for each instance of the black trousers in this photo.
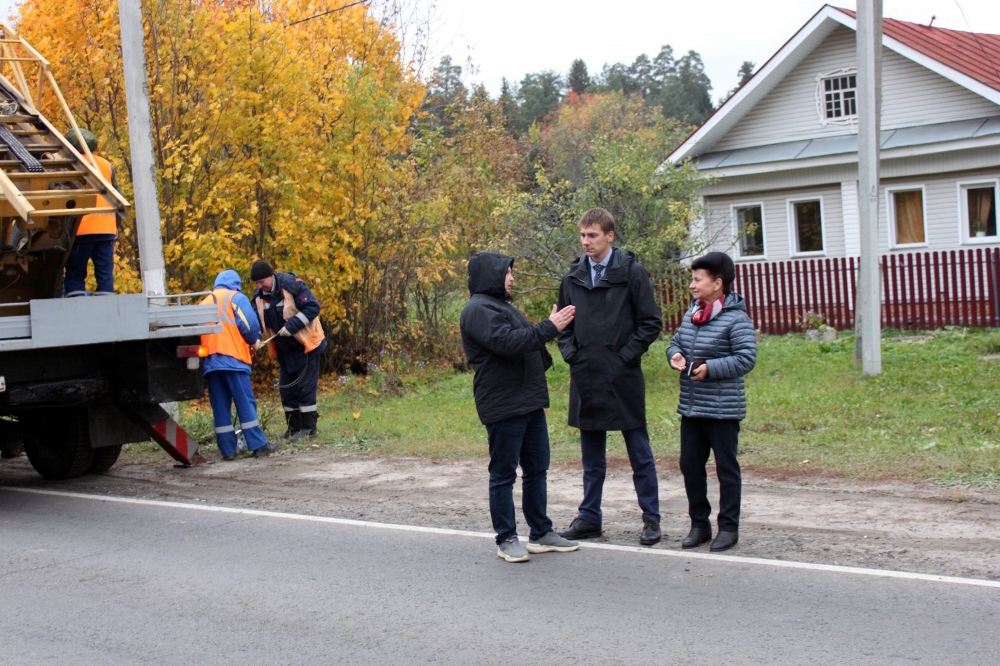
(720, 436)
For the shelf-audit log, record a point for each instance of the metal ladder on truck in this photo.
(79, 377)
(45, 184)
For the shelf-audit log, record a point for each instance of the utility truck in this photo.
(79, 377)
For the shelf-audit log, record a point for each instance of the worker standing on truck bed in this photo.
(96, 233)
(227, 369)
(290, 314)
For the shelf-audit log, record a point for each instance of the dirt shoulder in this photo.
(890, 525)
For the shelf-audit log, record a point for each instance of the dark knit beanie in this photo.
(260, 270)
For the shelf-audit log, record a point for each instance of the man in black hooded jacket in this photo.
(509, 358)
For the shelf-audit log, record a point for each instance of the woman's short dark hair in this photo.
(718, 265)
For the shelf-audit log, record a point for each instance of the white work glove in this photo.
(284, 332)
(260, 344)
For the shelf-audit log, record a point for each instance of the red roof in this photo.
(977, 55)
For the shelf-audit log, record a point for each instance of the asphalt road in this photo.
(86, 581)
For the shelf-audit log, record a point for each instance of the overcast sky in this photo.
(514, 37)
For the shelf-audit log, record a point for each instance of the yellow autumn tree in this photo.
(271, 139)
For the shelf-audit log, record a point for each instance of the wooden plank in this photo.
(896, 277)
(799, 300)
(786, 308)
(963, 280)
(53, 205)
(13, 197)
(47, 175)
(912, 297)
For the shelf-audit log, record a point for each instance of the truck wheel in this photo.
(104, 459)
(58, 443)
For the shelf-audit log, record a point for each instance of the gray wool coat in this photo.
(728, 345)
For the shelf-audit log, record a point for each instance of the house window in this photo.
(807, 226)
(750, 230)
(979, 210)
(906, 207)
(840, 96)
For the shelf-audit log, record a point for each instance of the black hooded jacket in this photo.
(506, 352)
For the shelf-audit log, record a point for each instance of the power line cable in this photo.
(330, 11)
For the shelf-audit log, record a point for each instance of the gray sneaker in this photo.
(512, 551)
(552, 543)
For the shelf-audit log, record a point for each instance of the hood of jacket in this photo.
(734, 302)
(488, 274)
(228, 279)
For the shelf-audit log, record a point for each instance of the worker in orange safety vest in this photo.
(96, 233)
(227, 369)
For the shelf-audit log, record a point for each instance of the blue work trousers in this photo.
(226, 387)
(102, 253)
(593, 449)
(524, 441)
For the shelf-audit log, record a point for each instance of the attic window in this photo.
(837, 97)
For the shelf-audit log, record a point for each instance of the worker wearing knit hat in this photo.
(260, 270)
(290, 313)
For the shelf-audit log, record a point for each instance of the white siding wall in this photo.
(851, 217)
(941, 215)
(941, 209)
(718, 215)
(911, 95)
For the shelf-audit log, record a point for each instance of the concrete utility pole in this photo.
(147, 207)
(868, 311)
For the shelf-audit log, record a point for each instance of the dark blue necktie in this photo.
(598, 269)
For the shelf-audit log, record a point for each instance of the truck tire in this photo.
(104, 459)
(57, 443)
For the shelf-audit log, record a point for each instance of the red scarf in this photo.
(706, 313)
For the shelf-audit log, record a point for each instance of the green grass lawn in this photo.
(934, 413)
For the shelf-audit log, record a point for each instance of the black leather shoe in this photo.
(650, 533)
(581, 529)
(696, 537)
(724, 541)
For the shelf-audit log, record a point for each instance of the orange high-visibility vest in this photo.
(310, 337)
(230, 341)
(99, 223)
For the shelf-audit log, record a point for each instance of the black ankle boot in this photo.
(294, 422)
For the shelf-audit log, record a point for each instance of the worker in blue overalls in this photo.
(228, 366)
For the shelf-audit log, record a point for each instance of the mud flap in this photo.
(166, 432)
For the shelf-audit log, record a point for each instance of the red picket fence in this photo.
(920, 291)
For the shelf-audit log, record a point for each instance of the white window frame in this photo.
(793, 229)
(890, 213)
(963, 210)
(734, 218)
(821, 98)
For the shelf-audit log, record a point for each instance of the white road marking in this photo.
(690, 555)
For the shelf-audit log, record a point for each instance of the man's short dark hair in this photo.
(600, 217)
(718, 265)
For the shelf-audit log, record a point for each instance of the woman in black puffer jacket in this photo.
(714, 347)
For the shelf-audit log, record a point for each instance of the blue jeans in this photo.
(102, 253)
(520, 440)
(593, 450)
(226, 387)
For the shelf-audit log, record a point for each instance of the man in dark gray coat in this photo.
(616, 320)
(509, 358)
